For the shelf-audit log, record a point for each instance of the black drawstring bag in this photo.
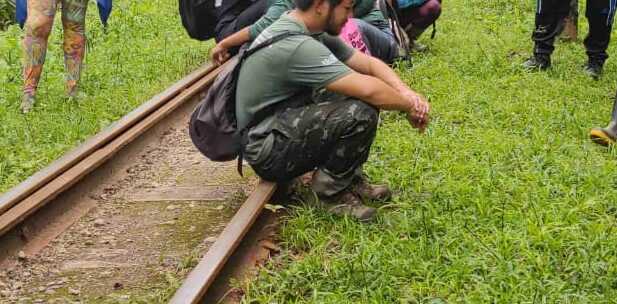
(198, 18)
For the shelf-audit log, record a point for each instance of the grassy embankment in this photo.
(504, 200)
(144, 50)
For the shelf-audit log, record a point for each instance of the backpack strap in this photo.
(389, 11)
(434, 30)
(270, 41)
(263, 113)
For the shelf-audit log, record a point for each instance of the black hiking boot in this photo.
(348, 203)
(537, 62)
(594, 68)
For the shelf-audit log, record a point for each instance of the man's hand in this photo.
(418, 114)
(414, 104)
(220, 54)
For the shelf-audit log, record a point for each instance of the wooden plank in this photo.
(36, 181)
(198, 281)
(68, 178)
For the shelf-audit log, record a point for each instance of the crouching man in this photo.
(312, 104)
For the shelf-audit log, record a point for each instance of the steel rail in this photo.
(31, 195)
(203, 275)
(42, 187)
(44, 176)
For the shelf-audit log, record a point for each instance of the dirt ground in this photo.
(145, 233)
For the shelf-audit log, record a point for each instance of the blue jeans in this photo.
(380, 42)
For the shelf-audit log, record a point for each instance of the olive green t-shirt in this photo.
(290, 67)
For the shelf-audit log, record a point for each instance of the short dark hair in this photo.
(304, 5)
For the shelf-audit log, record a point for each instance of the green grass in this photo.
(504, 200)
(143, 50)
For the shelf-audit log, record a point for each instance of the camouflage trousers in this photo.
(334, 138)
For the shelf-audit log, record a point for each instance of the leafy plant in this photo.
(7, 13)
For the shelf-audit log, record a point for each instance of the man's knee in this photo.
(76, 23)
(432, 9)
(361, 116)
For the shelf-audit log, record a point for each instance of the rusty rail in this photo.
(26, 198)
(29, 196)
(70, 159)
(203, 275)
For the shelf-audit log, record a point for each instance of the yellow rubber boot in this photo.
(604, 136)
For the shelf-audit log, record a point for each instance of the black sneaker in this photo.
(537, 62)
(594, 68)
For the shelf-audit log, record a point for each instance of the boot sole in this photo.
(602, 138)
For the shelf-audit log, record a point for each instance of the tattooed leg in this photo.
(38, 26)
(73, 21)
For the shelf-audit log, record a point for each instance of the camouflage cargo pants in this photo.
(332, 137)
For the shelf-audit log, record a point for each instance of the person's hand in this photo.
(220, 54)
(418, 114)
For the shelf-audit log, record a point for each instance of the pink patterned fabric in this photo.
(353, 37)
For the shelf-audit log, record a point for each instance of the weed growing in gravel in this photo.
(144, 50)
(504, 200)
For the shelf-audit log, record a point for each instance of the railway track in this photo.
(38, 211)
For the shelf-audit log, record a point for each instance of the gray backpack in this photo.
(213, 126)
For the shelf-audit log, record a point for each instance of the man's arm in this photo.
(370, 66)
(377, 93)
(220, 53)
(315, 65)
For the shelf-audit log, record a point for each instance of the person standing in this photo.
(549, 23)
(37, 29)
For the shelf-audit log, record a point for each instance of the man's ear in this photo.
(322, 7)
